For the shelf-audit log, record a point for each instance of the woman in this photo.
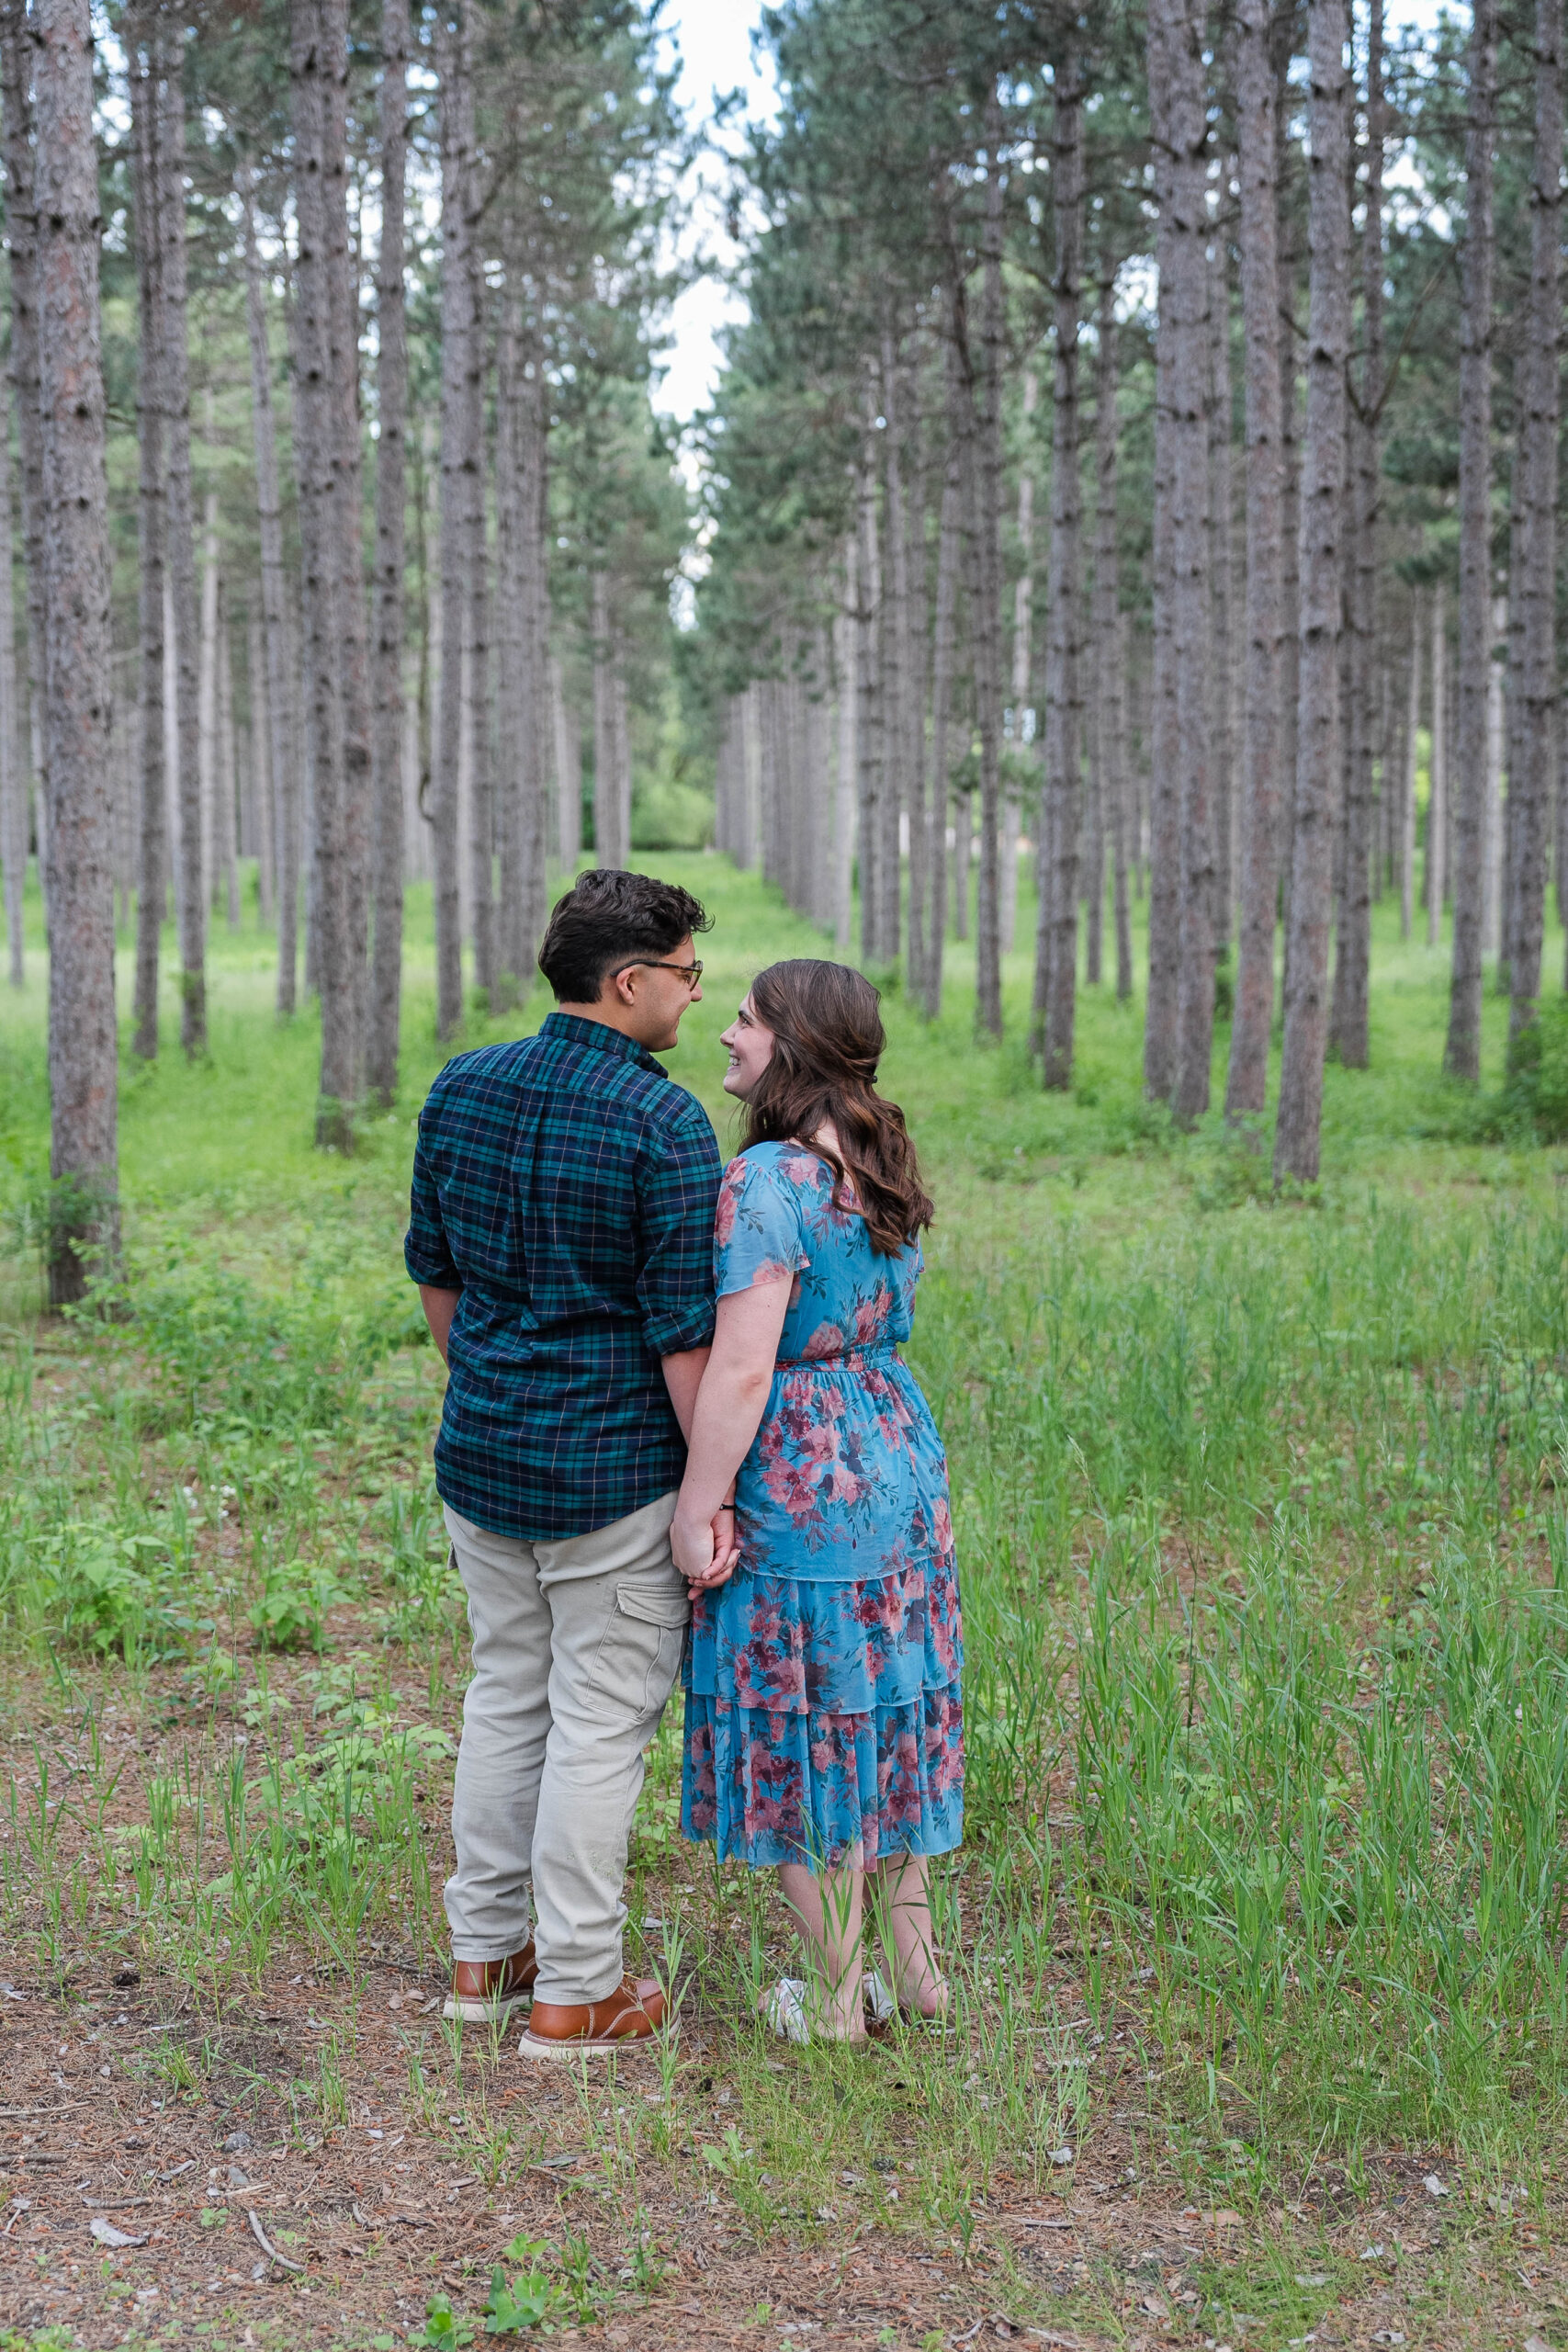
(824, 1723)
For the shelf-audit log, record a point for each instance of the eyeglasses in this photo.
(690, 972)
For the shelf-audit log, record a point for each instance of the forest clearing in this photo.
(1259, 2029)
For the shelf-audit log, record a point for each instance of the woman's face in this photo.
(751, 1050)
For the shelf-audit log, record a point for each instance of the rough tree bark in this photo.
(142, 33)
(1407, 794)
(13, 796)
(1221, 502)
(482, 814)
(943, 648)
(896, 700)
(1352, 968)
(1247, 1078)
(458, 460)
(315, 439)
(21, 242)
(1461, 1054)
(845, 627)
(1435, 879)
(83, 1075)
(281, 748)
(386, 683)
(1055, 965)
(1175, 38)
(344, 1029)
(870, 731)
(190, 895)
(987, 611)
(1161, 1015)
(1318, 764)
(1019, 683)
(1532, 672)
(1110, 650)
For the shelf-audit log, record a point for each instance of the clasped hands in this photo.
(706, 1550)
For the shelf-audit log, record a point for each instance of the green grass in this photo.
(1263, 1530)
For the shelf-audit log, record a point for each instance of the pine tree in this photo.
(1533, 600)
(83, 1072)
(1462, 1056)
(390, 626)
(143, 33)
(190, 896)
(1055, 975)
(1261, 748)
(1318, 760)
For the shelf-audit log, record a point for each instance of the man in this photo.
(561, 1235)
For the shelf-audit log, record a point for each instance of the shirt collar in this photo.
(599, 1037)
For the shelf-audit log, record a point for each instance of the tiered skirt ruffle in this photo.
(825, 1722)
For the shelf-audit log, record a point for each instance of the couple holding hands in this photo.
(678, 1439)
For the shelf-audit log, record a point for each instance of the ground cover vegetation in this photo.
(1257, 1932)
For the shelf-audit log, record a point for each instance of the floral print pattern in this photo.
(824, 1707)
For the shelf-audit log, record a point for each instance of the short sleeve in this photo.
(758, 1232)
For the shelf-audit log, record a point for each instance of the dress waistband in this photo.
(880, 1351)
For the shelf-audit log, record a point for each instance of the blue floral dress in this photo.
(824, 1709)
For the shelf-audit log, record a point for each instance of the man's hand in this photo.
(706, 1551)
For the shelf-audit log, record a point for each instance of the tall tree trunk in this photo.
(1434, 879)
(13, 795)
(1162, 1028)
(142, 33)
(897, 699)
(482, 821)
(21, 242)
(944, 652)
(282, 755)
(191, 899)
(343, 1026)
(1491, 897)
(82, 1073)
(1221, 502)
(207, 691)
(1533, 603)
(846, 627)
(870, 731)
(1021, 682)
(262, 784)
(987, 604)
(1055, 967)
(1407, 794)
(1318, 762)
(228, 765)
(1110, 645)
(457, 460)
(568, 773)
(1462, 1055)
(317, 451)
(1175, 38)
(386, 683)
(1261, 770)
(1352, 969)
(916, 669)
(522, 685)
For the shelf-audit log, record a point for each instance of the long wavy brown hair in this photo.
(828, 1040)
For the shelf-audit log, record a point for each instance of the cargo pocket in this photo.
(639, 1651)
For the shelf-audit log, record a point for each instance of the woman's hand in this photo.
(705, 1550)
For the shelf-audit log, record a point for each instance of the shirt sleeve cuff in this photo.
(440, 1274)
(675, 1334)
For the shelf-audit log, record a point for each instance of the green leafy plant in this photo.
(292, 1610)
(445, 2330)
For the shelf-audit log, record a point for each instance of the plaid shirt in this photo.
(566, 1186)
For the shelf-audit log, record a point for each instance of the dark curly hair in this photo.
(610, 917)
(827, 1039)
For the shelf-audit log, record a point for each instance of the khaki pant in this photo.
(576, 1645)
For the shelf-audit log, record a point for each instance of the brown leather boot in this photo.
(632, 2013)
(485, 1992)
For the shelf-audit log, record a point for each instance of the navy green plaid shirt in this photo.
(566, 1186)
